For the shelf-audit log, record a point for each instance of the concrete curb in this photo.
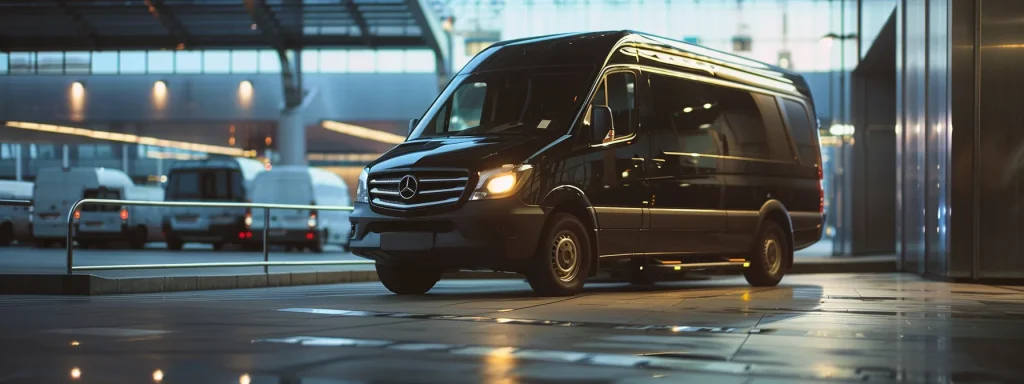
(90, 285)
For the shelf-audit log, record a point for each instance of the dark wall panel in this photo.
(1002, 140)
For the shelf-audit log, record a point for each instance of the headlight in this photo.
(500, 182)
(362, 194)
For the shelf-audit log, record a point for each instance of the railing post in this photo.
(266, 240)
(70, 245)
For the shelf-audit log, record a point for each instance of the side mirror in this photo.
(412, 125)
(600, 123)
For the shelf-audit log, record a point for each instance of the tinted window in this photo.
(102, 193)
(686, 122)
(747, 134)
(206, 184)
(618, 92)
(802, 131)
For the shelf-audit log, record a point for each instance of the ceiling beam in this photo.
(169, 21)
(85, 29)
(364, 30)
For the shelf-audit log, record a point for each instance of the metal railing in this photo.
(16, 203)
(266, 263)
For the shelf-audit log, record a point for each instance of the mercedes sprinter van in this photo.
(559, 156)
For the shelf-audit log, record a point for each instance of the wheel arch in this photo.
(774, 210)
(572, 200)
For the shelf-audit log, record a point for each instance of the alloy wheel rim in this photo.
(565, 257)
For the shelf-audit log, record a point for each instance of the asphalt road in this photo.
(812, 328)
(23, 259)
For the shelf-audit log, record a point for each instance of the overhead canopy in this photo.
(93, 25)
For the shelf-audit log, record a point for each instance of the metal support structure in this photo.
(357, 17)
(84, 27)
(169, 21)
(434, 36)
(266, 263)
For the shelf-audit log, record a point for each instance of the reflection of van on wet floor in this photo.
(57, 189)
(302, 185)
(213, 180)
(15, 221)
(136, 225)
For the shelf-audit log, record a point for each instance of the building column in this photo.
(291, 127)
(17, 162)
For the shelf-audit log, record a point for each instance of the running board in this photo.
(682, 266)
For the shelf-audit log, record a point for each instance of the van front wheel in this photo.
(563, 256)
(769, 257)
(408, 280)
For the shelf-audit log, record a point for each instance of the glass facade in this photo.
(215, 62)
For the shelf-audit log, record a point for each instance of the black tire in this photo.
(769, 256)
(139, 238)
(563, 257)
(174, 244)
(6, 234)
(218, 246)
(408, 279)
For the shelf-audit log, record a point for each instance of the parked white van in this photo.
(97, 225)
(15, 221)
(224, 179)
(301, 185)
(57, 189)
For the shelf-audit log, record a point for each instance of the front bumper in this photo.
(498, 234)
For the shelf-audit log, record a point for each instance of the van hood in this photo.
(474, 153)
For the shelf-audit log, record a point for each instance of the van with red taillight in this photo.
(218, 179)
(300, 228)
(106, 224)
(15, 221)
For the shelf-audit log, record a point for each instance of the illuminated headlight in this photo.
(500, 182)
(362, 195)
(311, 222)
(248, 220)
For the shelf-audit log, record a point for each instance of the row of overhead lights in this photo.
(77, 93)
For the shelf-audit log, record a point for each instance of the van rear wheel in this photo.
(408, 279)
(6, 234)
(769, 257)
(561, 264)
(138, 238)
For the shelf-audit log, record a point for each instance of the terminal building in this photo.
(138, 84)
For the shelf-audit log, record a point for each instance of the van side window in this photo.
(747, 134)
(618, 92)
(803, 134)
(686, 122)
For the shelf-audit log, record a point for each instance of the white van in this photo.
(15, 221)
(57, 189)
(301, 185)
(225, 179)
(134, 224)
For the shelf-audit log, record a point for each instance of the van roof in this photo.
(320, 176)
(248, 167)
(102, 176)
(596, 49)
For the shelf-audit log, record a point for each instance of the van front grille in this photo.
(416, 189)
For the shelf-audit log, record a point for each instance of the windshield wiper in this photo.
(506, 126)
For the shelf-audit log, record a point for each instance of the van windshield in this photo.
(205, 185)
(525, 101)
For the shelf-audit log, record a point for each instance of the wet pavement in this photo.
(812, 328)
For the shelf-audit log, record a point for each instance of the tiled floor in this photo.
(874, 328)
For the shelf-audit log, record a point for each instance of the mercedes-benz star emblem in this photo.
(408, 186)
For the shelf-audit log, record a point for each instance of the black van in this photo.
(559, 156)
